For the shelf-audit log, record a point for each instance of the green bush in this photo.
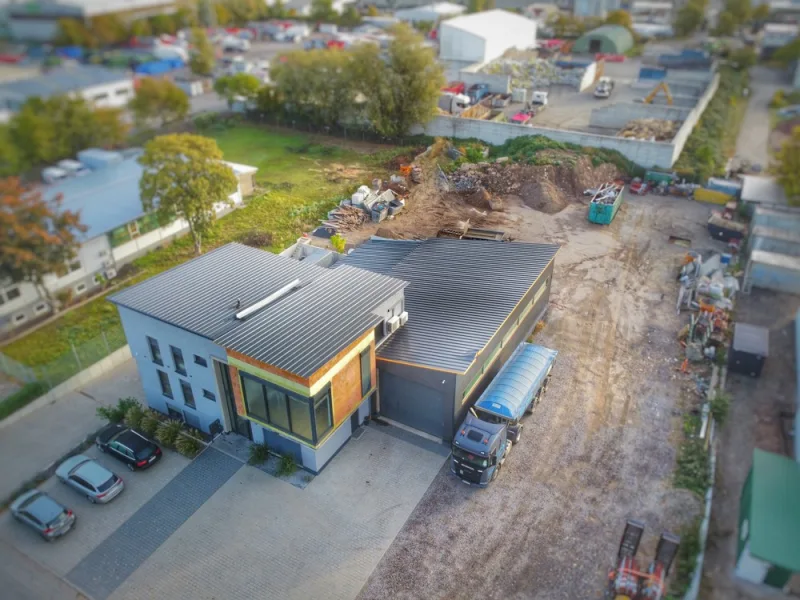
(693, 471)
(168, 431)
(134, 416)
(720, 405)
(22, 397)
(149, 423)
(259, 453)
(338, 243)
(287, 466)
(685, 561)
(778, 100)
(118, 412)
(188, 446)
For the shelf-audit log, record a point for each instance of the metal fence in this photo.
(79, 357)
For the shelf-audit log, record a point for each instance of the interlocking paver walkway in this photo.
(114, 560)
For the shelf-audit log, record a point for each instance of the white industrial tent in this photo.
(482, 37)
(432, 13)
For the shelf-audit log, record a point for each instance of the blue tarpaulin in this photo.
(515, 385)
(74, 52)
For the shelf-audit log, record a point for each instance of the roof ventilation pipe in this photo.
(276, 295)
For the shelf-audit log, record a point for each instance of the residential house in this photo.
(118, 230)
(297, 350)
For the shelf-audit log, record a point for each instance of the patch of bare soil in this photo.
(598, 450)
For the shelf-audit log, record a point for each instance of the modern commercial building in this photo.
(297, 350)
(608, 39)
(482, 37)
(108, 88)
(767, 550)
(38, 21)
(430, 13)
(118, 230)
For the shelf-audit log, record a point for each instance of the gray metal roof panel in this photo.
(460, 292)
(303, 331)
(201, 295)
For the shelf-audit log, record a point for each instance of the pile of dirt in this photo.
(546, 187)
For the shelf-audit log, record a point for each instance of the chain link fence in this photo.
(80, 356)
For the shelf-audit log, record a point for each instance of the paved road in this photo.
(752, 144)
(40, 438)
(23, 579)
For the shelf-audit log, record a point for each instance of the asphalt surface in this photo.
(22, 578)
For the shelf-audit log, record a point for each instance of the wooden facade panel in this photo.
(346, 387)
(236, 384)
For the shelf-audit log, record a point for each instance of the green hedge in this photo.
(705, 153)
(20, 398)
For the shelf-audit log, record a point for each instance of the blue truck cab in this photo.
(477, 92)
(494, 423)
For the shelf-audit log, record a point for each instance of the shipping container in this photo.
(771, 271)
(773, 239)
(712, 196)
(726, 186)
(659, 177)
(775, 217)
(652, 73)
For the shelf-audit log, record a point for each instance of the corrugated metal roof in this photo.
(513, 387)
(762, 190)
(200, 295)
(308, 328)
(460, 292)
(59, 81)
(298, 333)
(492, 23)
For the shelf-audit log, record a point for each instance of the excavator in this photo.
(627, 581)
(661, 87)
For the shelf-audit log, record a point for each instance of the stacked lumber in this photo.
(650, 129)
(345, 218)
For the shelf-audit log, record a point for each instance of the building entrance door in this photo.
(235, 422)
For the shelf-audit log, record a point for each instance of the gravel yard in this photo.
(600, 447)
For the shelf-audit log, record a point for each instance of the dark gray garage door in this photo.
(412, 404)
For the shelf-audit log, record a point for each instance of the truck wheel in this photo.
(519, 435)
(533, 403)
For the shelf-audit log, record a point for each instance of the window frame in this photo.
(366, 353)
(155, 351)
(200, 361)
(163, 376)
(186, 401)
(80, 288)
(209, 395)
(178, 360)
(13, 293)
(323, 396)
(287, 394)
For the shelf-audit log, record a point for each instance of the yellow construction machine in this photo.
(654, 92)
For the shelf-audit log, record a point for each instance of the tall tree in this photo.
(222, 14)
(158, 100)
(32, 133)
(184, 176)
(108, 30)
(111, 130)
(72, 32)
(203, 57)
(620, 17)
(37, 238)
(141, 28)
(238, 87)
(740, 10)
(402, 90)
(10, 159)
(760, 13)
(788, 167)
(788, 53)
(474, 6)
(277, 10)
(689, 18)
(726, 24)
(322, 10)
(162, 24)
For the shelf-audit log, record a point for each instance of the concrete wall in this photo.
(679, 141)
(498, 84)
(616, 116)
(137, 328)
(644, 153)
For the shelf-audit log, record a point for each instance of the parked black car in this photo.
(129, 446)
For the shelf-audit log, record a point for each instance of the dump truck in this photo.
(453, 103)
(478, 92)
(494, 424)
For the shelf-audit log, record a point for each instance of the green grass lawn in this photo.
(299, 181)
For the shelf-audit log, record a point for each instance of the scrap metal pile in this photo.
(607, 193)
(656, 130)
(534, 72)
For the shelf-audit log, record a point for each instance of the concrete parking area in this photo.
(260, 537)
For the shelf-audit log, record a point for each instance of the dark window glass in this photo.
(13, 293)
(198, 360)
(366, 372)
(188, 395)
(278, 412)
(174, 413)
(177, 358)
(300, 413)
(209, 396)
(254, 398)
(166, 388)
(322, 415)
(155, 351)
(104, 486)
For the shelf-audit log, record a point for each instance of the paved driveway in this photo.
(259, 537)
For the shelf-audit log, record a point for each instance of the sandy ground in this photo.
(754, 422)
(600, 447)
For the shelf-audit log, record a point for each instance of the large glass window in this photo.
(278, 411)
(188, 395)
(322, 414)
(254, 398)
(155, 351)
(177, 358)
(166, 388)
(366, 372)
(300, 415)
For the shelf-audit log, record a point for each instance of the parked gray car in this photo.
(40, 512)
(90, 478)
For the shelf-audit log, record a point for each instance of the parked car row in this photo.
(99, 485)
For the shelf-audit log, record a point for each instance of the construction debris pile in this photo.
(708, 288)
(532, 72)
(654, 130)
(607, 193)
(383, 200)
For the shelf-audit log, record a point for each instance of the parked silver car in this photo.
(90, 478)
(40, 512)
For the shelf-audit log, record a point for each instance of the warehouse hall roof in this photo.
(460, 293)
(489, 23)
(299, 331)
(58, 81)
